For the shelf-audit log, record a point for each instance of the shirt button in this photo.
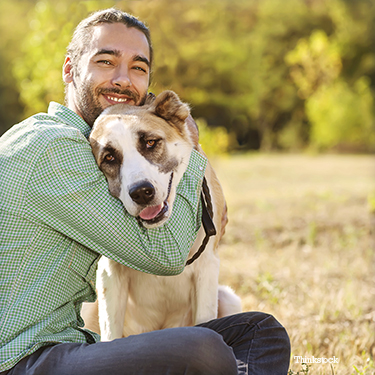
(200, 168)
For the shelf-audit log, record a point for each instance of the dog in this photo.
(152, 145)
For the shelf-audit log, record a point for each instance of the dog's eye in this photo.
(109, 158)
(151, 143)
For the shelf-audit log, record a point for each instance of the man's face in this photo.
(114, 69)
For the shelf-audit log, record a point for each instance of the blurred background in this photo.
(283, 93)
(262, 74)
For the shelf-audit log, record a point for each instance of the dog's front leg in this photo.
(206, 282)
(112, 288)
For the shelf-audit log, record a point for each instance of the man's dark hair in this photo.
(82, 34)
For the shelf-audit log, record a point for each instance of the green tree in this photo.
(342, 116)
(338, 101)
(12, 29)
(230, 64)
(39, 69)
(251, 66)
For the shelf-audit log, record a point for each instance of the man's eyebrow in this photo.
(103, 51)
(117, 53)
(141, 58)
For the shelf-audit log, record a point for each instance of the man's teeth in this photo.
(119, 100)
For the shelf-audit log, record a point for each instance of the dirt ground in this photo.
(299, 245)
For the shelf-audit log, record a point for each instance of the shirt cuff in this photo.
(197, 165)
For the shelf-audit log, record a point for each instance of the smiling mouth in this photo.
(116, 96)
(117, 99)
(154, 214)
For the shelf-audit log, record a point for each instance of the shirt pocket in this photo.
(84, 262)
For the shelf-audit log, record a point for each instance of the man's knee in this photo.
(209, 354)
(269, 323)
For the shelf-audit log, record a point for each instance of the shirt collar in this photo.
(69, 117)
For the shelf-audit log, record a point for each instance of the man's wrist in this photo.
(197, 164)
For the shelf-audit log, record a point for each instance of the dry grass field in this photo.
(299, 246)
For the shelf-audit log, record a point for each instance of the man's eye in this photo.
(104, 62)
(140, 69)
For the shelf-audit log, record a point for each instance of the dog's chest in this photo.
(150, 290)
(159, 302)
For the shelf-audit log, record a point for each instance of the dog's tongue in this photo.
(150, 212)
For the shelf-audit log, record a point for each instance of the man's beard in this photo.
(89, 104)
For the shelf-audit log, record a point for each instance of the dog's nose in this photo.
(142, 193)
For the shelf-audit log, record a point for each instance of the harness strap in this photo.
(208, 224)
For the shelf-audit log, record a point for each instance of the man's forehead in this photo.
(119, 38)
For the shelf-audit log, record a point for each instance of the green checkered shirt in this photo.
(57, 217)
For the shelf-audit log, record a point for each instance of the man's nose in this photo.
(121, 77)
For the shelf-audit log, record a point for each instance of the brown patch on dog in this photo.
(152, 132)
(109, 160)
(157, 153)
(168, 106)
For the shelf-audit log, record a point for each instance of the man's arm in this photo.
(70, 194)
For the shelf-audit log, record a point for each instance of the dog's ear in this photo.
(168, 106)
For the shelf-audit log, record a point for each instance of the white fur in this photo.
(131, 302)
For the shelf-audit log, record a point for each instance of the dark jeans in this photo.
(247, 343)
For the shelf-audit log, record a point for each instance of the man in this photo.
(57, 218)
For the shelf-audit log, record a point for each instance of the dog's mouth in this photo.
(153, 214)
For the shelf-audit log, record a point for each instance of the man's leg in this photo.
(176, 351)
(259, 342)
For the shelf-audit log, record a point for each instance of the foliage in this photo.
(304, 370)
(314, 62)
(11, 109)
(263, 69)
(214, 141)
(340, 112)
(38, 71)
(341, 115)
(371, 202)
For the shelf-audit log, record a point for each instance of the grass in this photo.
(299, 246)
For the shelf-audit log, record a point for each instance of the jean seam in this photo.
(248, 324)
(257, 327)
(248, 356)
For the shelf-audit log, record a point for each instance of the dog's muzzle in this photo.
(143, 194)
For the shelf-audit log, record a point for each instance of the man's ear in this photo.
(67, 70)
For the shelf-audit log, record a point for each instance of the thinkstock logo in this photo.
(300, 359)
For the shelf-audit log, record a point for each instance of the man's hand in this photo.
(150, 98)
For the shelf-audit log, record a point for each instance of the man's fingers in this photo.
(150, 98)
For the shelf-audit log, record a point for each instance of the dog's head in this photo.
(143, 152)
